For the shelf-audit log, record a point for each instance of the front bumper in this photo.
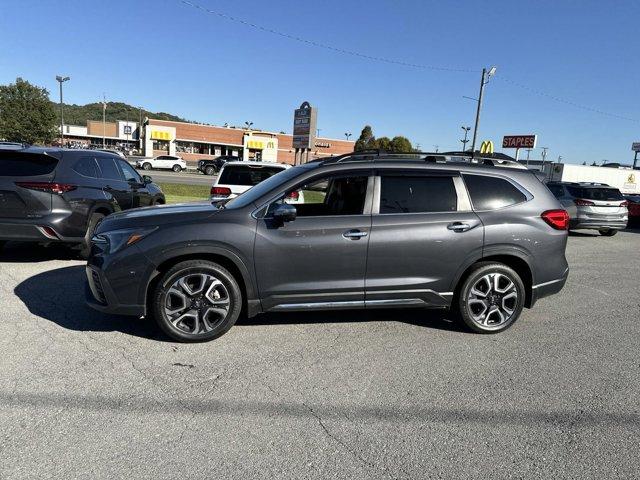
(100, 296)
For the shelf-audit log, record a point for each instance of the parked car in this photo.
(53, 195)
(594, 206)
(634, 209)
(374, 230)
(237, 177)
(162, 162)
(213, 166)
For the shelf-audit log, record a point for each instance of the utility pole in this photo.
(104, 121)
(318, 132)
(61, 80)
(486, 75)
(465, 141)
(544, 154)
(528, 152)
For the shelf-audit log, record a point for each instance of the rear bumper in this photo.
(34, 231)
(548, 288)
(595, 224)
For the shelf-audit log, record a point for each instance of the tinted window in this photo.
(130, 175)
(109, 169)
(557, 190)
(596, 193)
(417, 194)
(489, 193)
(13, 164)
(246, 175)
(87, 167)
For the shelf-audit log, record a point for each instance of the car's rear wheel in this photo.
(196, 301)
(146, 166)
(85, 249)
(608, 232)
(177, 168)
(209, 170)
(491, 298)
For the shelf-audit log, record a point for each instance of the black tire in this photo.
(176, 168)
(85, 250)
(198, 328)
(210, 170)
(146, 166)
(470, 306)
(608, 232)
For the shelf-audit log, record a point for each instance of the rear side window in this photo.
(605, 194)
(15, 164)
(490, 193)
(419, 194)
(87, 167)
(557, 190)
(246, 175)
(109, 168)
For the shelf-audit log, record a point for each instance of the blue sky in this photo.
(168, 56)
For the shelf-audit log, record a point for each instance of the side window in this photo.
(328, 196)
(490, 193)
(419, 194)
(557, 190)
(130, 175)
(87, 167)
(108, 168)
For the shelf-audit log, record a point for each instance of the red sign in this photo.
(519, 141)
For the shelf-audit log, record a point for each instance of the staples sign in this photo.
(519, 141)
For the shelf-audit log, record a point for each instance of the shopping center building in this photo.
(193, 141)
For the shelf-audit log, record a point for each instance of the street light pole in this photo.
(465, 141)
(347, 135)
(483, 81)
(61, 80)
(104, 121)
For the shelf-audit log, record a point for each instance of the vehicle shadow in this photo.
(58, 296)
(25, 252)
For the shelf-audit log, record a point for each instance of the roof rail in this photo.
(429, 157)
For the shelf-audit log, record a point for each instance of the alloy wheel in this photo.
(197, 303)
(492, 300)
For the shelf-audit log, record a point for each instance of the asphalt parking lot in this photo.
(382, 394)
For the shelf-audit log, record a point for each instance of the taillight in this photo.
(624, 204)
(558, 219)
(581, 202)
(295, 195)
(50, 187)
(220, 191)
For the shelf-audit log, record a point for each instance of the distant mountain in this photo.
(79, 114)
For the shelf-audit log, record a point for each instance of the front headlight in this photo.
(116, 240)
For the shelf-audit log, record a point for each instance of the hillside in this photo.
(79, 114)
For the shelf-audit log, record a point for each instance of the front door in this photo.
(113, 182)
(319, 259)
(422, 233)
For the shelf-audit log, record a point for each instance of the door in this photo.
(139, 191)
(114, 184)
(317, 260)
(422, 232)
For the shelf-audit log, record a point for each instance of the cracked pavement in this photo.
(379, 394)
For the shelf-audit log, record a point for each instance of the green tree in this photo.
(366, 140)
(401, 144)
(384, 143)
(26, 114)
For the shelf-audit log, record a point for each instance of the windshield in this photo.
(246, 174)
(589, 193)
(271, 183)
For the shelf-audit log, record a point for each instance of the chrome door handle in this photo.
(459, 227)
(354, 234)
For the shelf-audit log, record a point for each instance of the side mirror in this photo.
(146, 179)
(285, 213)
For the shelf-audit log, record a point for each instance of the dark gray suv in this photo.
(374, 230)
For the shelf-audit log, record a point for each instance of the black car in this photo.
(213, 166)
(57, 195)
(369, 231)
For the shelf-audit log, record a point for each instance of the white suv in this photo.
(166, 162)
(236, 178)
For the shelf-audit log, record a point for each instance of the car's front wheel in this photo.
(196, 301)
(491, 298)
(209, 170)
(608, 232)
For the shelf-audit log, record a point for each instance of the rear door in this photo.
(114, 184)
(423, 232)
(22, 179)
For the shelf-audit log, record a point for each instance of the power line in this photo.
(398, 62)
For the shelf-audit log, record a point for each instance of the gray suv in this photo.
(373, 231)
(594, 206)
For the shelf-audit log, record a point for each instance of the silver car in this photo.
(594, 206)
